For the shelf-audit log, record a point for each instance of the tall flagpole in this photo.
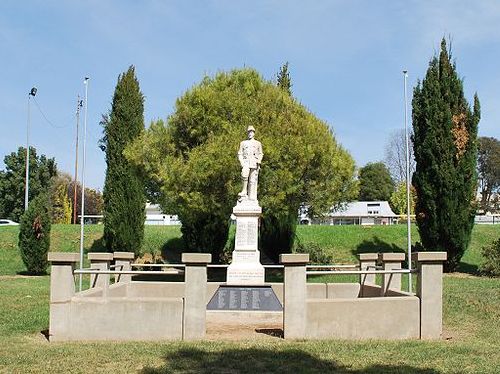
(75, 205)
(408, 211)
(82, 213)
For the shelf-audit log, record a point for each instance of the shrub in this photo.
(317, 254)
(491, 263)
(34, 235)
(277, 235)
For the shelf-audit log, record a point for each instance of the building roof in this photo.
(363, 209)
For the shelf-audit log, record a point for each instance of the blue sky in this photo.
(345, 57)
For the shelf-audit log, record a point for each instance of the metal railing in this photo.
(159, 265)
(360, 272)
(124, 272)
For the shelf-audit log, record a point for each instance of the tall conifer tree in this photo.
(445, 137)
(284, 82)
(124, 199)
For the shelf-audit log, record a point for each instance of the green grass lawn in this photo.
(471, 320)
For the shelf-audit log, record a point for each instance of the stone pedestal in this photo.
(391, 261)
(245, 267)
(430, 292)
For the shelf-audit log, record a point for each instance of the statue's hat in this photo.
(250, 128)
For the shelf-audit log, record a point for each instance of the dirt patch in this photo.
(232, 332)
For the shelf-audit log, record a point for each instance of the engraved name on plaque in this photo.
(245, 299)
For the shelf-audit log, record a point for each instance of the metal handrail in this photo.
(348, 266)
(374, 267)
(125, 272)
(360, 272)
(159, 265)
(226, 265)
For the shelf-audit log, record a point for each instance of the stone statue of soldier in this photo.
(250, 155)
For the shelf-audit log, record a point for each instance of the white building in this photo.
(154, 216)
(357, 213)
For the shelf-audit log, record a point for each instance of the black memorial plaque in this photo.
(257, 298)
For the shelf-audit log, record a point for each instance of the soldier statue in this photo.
(250, 156)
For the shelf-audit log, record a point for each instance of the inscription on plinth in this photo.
(245, 268)
(245, 299)
(246, 233)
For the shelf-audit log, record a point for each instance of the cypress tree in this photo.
(34, 234)
(445, 137)
(124, 199)
(284, 82)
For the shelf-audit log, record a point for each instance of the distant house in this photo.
(356, 213)
(154, 216)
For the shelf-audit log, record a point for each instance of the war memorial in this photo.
(119, 297)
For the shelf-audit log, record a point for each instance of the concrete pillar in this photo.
(123, 261)
(294, 295)
(101, 261)
(367, 261)
(430, 292)
(62, 289)
(195, 304)
(391, 261)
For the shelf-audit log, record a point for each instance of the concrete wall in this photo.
(177, 310)
(156, 289)
(176, 289)
(96, 318)
(364, 318)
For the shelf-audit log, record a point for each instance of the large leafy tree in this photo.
(395, 156)
(375, 182)
(124, 199)
(94, 203)
(12, 180)
(399, 201)
(445, 132)
(193, 157)
(61, 204)
(488, 166)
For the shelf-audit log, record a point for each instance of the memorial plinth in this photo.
(245, 267)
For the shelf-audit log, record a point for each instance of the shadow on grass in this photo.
(31, 274)
(464, 267)
(193, 360)
(98, 245)
(376, 245)
(172, 250)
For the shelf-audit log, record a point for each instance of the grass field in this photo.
(469, 345)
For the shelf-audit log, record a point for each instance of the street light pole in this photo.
(27, 184)
(82, 213)
(408, 210)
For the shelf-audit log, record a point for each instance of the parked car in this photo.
(8, 222)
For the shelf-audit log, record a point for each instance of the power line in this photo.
(45, 117)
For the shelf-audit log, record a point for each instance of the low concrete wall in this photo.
(97, 318)
(364, 318)
(177, 310)
(176, 289)
(342, 291)
(156, 289)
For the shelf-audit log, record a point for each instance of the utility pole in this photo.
(27, 184)
(82, 216)
(79, 104)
